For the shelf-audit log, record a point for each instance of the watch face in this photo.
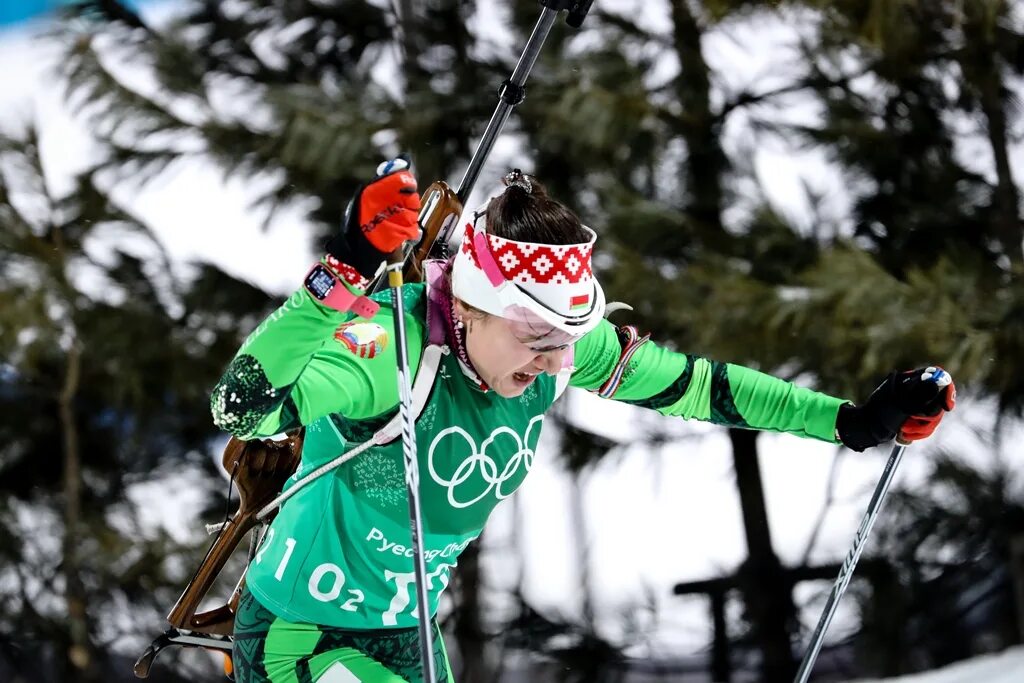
(320, 282)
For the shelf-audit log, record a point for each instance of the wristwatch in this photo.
(325, 286)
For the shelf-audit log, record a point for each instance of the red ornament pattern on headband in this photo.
(530, 263)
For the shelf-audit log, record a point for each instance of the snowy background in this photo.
(654, 517)
(1005, 667)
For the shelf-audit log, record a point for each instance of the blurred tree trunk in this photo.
(705, 160)
(988, 49)
(768, 599)
(1007, 199)
(79, 655)
(410, 45)
(1017, 575)
(885, 619)
(469, 633)
(435, 38)
(766, 590)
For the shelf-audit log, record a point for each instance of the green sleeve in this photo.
(303, 362)
(690, 386)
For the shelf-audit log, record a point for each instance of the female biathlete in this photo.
(495, 335)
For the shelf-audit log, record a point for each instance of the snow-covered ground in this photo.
(1002, 667)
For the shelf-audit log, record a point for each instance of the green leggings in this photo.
(269, 649)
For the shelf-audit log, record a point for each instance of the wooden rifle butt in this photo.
(259, 469)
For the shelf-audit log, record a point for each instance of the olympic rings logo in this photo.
(488, 468)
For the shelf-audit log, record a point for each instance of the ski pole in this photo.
(442, 205)
(512, 92)
(412, 484)
(846, 571)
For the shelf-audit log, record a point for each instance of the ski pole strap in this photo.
(631, 340)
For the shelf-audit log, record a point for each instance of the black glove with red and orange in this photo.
(907, 404)
(380, 218)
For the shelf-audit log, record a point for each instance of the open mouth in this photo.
(523, 376)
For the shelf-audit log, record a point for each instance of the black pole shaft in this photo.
(846, 572)
(512, 93)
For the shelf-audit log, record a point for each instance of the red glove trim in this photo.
(917, 427)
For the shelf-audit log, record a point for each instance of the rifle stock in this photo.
(440, 210)
(259, 469)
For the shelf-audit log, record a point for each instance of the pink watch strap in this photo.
(341, 299)
(365, 307)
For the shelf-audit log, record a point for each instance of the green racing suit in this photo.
(338, 554)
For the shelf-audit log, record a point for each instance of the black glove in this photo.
(910, 404)
(379, 219)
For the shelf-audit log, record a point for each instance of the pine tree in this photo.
(916, 282)
(646, 164)
(935, 274)
(308, 94)
(942, 241)
(108, 358)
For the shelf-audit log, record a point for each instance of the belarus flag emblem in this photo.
(579, 301)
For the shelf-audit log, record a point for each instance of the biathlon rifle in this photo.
(260, 467)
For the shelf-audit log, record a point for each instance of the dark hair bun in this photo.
(524, 212)
(517, 180)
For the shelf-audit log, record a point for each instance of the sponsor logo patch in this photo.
(364, 339)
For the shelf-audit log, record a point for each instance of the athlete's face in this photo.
(500, 351)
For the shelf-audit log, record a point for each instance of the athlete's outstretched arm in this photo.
(619, 364)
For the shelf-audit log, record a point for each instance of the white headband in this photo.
(553, 281)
